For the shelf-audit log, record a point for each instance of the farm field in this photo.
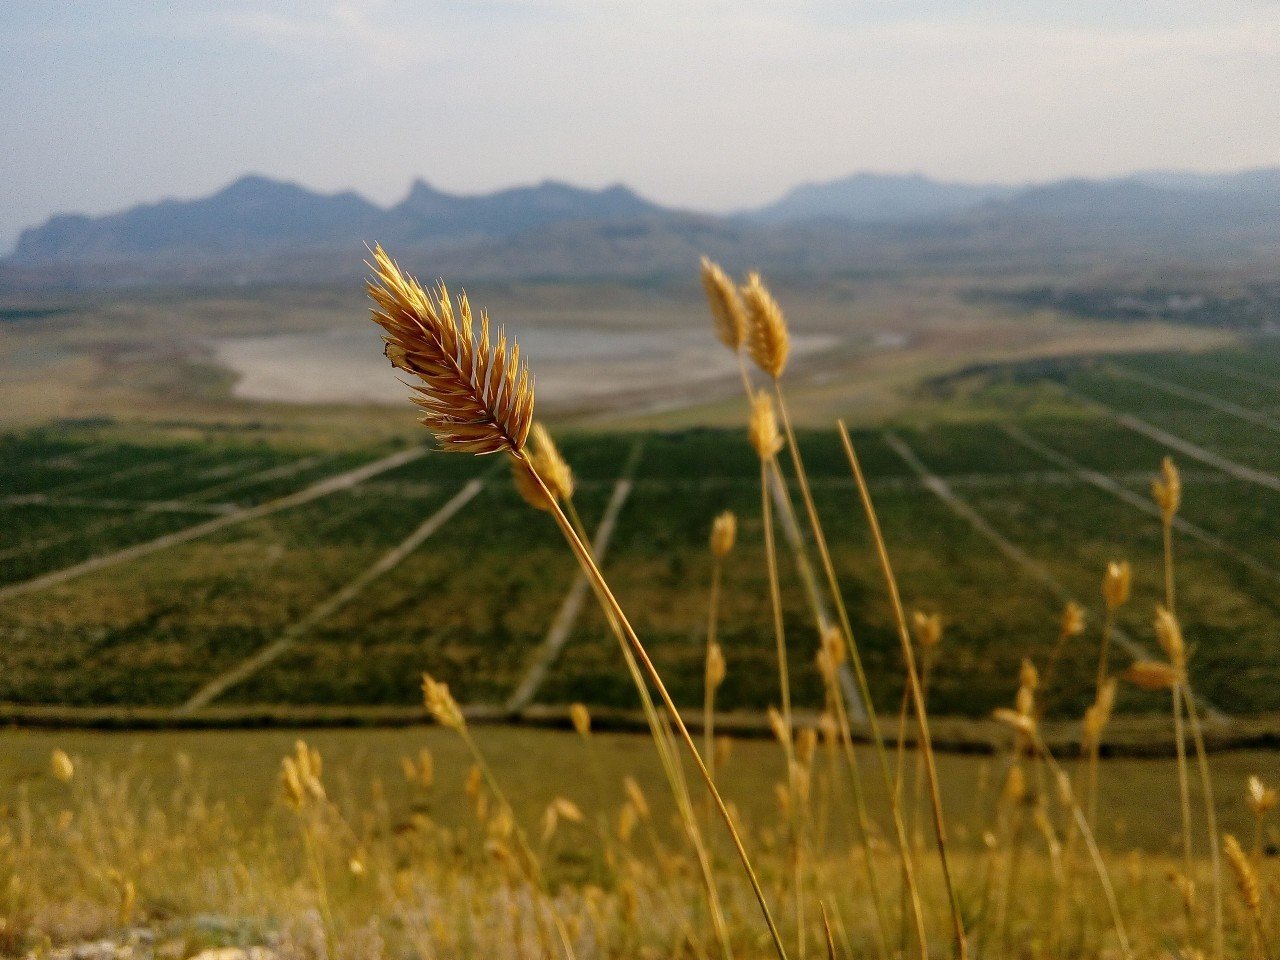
(992, 522)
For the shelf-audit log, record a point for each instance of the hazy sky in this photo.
(703, 103)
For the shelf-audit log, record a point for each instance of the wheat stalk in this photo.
(477, 398)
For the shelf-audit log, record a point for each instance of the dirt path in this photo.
(939, 488)
(112, 503)
(566, 617)
(1197, 396)
(300, 628)
(1173, 442)
(1252, 379)
(321, 488)
(1143, 504)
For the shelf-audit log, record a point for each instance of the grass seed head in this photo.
(778, 726)
(627, 820)
(1260, 798)
(762, 430)
(528, 487)
(1015, 786)
(1246, 876)
(806, 745)
(726, 305)
(715, 666)
(551, 466)
(581, 718)
(636, 796)
(1116, 584)
(724, 531)
(1152, 675)
(1169, 633)
(767, 339)
(1098, 714)
(1029, 676)
(440, 703)
(1072, 622)
(833, 644)
(1166, 490)
(475, 396)
(61, 765)
(927, 628)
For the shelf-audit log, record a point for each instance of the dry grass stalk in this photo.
(917, 694)
(479, 399)
(770, 343)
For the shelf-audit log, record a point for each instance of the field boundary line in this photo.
(1129, 735)
(1140, 503)
(335, 602)
(1174, 442)
(961, 508)
(1197, 396)
(278, 472)
(136, 470)
(321, 488)
(112, 503)
(1252, 379)
(571, 606)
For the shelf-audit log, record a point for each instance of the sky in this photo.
(705, 104)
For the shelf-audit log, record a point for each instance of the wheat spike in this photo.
(1246, 877)
(1072, 622)
(768, 339)
(1169, 633)
(726, 305)
(1166, 489)
(476, 396)
(1260, 798)
(1153, 675)
(551, 465)
(1116, 584)
(724, 530)
(927, 627)
(581, 718)
(762, 429)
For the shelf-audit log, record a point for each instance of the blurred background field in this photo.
(1040, 453)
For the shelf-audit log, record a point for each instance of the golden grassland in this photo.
(194, 821)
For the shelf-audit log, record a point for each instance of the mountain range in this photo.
(258, 229)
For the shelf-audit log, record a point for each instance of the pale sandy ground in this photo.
(573, 367)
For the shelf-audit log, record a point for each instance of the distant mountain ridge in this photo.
(258, 229)
(877, 198)
(256, 215)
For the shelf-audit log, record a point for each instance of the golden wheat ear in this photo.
(476, 396)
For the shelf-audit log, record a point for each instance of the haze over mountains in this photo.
(258, 229)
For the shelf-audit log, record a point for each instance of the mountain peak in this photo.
(867, 197)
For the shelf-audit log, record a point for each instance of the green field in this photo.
(475, 600)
